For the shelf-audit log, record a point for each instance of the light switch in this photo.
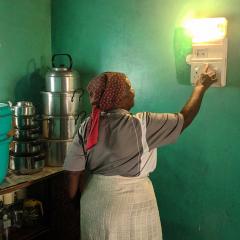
(198, 67)
(208, 48)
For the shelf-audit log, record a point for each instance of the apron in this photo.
(119, 208)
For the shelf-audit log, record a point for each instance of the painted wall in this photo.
(25, 48)
(197, 180)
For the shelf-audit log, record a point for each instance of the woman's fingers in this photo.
(209, 71)
(212, 74)
(205, 68)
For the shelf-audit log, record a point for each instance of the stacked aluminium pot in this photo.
(26, 155)
(62, 106)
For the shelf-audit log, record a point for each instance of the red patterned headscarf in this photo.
(105, 92)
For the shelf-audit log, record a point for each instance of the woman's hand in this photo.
(207, 78)
(191, 108)
(74, 182)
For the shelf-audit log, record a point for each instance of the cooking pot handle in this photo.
(76, 119)
(77, 90)
(10, 104)
(50, 125)
(82, 114)
(62, 54)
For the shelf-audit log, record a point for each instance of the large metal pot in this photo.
(27, 134)
(62, 79)
(25, 148)
(23, 108)
(27, 164)
(56, 152)
(25, 122)
(59, 127)
(62, 104)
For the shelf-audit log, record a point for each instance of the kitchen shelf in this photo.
(36, 232)
(15, 182)
(47, 186)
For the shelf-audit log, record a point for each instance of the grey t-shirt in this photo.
(126, 144)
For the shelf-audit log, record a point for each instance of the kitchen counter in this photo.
(14, 182)
(48, 187)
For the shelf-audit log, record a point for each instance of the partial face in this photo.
(128, 101)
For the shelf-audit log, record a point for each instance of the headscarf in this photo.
(105, 92)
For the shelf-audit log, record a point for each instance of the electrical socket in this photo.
(198, 67)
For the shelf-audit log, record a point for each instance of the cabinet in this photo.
(61, 216)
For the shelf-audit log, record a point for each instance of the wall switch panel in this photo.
(220, 68)
(213, 54)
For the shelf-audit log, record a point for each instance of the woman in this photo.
(118, 149)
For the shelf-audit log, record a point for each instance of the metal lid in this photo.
(24, 104)
(62, 72)
(5, 109)
(24, 108)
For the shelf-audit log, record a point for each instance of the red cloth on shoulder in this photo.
(93, 128)
(105, 92)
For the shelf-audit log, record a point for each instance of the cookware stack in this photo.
(62, 108)
(26, 155)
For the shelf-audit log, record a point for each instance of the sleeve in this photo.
(75, 159)
(162, 128)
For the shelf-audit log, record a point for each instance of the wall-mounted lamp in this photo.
(209, 45)
(206, 29)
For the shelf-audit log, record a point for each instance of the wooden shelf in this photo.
(36, 232)
(15, 182)
(48, 187)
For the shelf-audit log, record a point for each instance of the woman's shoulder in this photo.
(142, 115)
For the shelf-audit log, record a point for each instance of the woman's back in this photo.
(126, 143)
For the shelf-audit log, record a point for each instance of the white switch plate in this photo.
(213, 54)
(198, 67)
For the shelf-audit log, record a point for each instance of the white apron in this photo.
(119, 208)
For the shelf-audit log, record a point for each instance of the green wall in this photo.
(197, 180)
(25, 48)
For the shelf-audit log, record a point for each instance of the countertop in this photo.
(14, 182)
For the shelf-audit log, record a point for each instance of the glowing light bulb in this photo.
(206, 29)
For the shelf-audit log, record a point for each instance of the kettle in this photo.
(62, 78)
